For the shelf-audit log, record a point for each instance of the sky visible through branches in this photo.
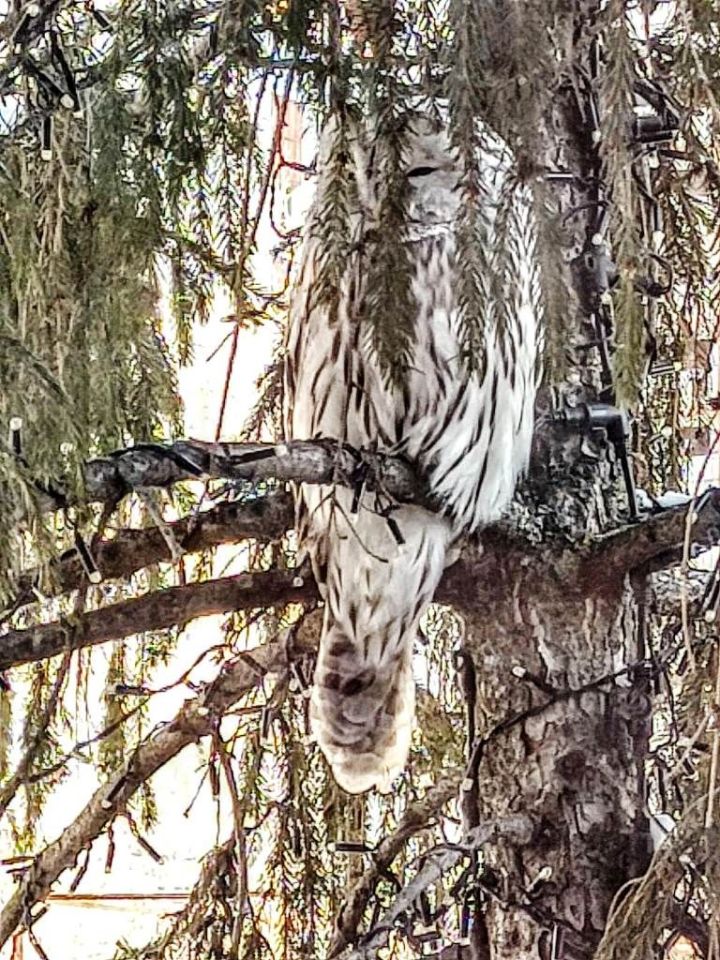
(153, 177)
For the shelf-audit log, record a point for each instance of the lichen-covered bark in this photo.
(576, 766)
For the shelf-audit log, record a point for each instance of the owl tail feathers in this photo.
(361, 715)
(376, 589)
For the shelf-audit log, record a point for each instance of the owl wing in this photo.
(469, 434)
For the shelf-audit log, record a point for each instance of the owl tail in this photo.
(376, 590)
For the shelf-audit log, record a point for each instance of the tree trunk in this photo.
(573, 762)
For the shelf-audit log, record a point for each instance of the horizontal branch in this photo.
(194, 721)
(653, 544)
(656, 542)
(155, 611)
(263, 518)
(304, 461)
(477, 579)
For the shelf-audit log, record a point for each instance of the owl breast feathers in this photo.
(466, 429)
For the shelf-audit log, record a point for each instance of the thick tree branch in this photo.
(155, 611)
(655, 543)
(652, 544)
(476, 580)
(195, 720)
(129, 550)
(306, 461)
(419, 816)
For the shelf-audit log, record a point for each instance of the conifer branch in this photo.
(656, 543)
(263, 518)
(437, 863)
(653, 544)
(473, 581)
(476, 579)
(419, 816)
(194, 721)
(155, 611)
(302, 461)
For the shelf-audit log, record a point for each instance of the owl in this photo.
(466, 428)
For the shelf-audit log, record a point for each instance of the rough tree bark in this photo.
(573, 763)
(543, 624)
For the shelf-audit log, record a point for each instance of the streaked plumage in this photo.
(469, 434)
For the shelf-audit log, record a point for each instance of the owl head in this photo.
(430, 166)
(433, 173)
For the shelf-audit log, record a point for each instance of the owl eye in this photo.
(421, 171)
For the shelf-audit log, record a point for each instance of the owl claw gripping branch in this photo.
(468, 431)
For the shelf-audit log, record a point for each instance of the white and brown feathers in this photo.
(469, 434)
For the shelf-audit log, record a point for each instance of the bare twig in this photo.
(419, 816)
(221, 750)
(517, 829)
(194, 721)
(20, 776)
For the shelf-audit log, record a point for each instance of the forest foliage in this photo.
(137, 167)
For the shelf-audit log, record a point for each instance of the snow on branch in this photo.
(194, 721)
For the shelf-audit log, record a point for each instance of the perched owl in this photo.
(468, 432)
